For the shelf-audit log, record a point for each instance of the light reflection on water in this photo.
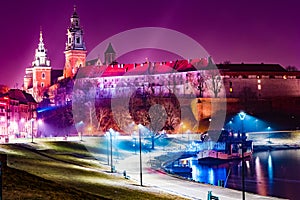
(274, 173)
(208, 174)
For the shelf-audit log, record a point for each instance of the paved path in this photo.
(165, 182)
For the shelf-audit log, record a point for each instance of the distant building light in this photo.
(230, 90)
(284, 77)
(259, 87)
(258, 81)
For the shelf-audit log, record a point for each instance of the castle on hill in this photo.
(256, 81)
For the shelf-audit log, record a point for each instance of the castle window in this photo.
(69, 40)
(42, 84)
(78, 40)
(43, 75)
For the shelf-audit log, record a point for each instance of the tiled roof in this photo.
(29, 97)
(251, 67)
(172, 66)
(17, 94)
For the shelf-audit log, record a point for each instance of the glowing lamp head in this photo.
(40, 122)
(242, 115)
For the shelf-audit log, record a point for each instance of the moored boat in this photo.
(228, 147)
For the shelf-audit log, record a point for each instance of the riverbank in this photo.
(274, 147)
(280, 140)
(71, 166)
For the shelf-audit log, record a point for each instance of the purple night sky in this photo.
(240, 31)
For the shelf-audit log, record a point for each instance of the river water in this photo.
(274, 173)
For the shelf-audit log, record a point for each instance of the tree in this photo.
(197, 81)
(226, 62)
(158, 116)
(122, 119)
(103, 116)
(3, 89)
(214, 81)
(291, 68)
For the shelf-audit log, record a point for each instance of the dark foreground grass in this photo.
(32, 175)
(19, 184)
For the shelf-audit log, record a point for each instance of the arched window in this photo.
(43, 75)
(42, 84)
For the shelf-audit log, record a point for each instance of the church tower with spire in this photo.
(75, 52)
(109, 55)
(38, 77)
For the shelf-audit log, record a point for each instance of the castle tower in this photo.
(109, 55)
(75, 52)
(38, 78)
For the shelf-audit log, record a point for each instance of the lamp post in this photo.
(242, 116)
(111, 153)
(182, 126)
(32, 130)
(269, 137)
(141, 170)
(107, 147)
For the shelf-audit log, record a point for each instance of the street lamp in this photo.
(111, 153)
(242, 116)
(269, 129)
(107, 146)
(140, 141)
(182, 127)
(32, 120)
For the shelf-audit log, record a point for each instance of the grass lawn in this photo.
(60, 170)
